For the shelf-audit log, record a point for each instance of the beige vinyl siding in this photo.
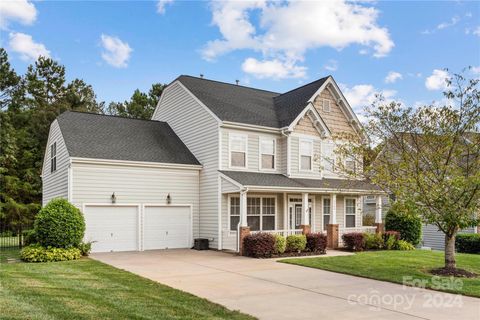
(253, 150)
(95, 183)
(335, 120)
(55, 184)
(198, 129)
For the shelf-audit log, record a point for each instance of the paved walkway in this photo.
(271, 290)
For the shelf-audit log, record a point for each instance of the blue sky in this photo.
(120, 46)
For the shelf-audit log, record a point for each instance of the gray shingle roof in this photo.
(89, 135)
(279, 180)
(241, 104)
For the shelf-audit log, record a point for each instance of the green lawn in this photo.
(87, 289)
(394, 265)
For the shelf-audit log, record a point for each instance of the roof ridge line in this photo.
(307, 84)
(231, 84)
(109, 115)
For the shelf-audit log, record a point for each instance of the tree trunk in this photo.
(450, 252)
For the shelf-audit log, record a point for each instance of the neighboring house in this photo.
(256, 160)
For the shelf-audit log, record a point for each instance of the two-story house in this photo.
(216, 161)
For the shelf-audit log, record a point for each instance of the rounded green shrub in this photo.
(280, 244)
(373, 241)
(37, 253)
(404, 245)
(468, 243)
(59, 224)
(404, 219)
(296, 242)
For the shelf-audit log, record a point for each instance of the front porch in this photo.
(287, 213)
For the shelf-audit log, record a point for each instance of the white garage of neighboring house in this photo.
(135, 181)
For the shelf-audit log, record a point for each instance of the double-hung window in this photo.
(260, 213)
(267, 153)
(326, 212)
(238, 151)
(306, 154)
(328, 157)
(350, 165)
(350, 210)
(53, 157)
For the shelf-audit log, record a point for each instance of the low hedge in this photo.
(373, 241)
(354, 241)
(296, 243)
(316, 242)
(259, 245)
(468, 243)
(280, 244)
(37, 253)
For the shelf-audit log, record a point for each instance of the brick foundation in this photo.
(244, 231)
(305, 228)
(332, 236)
(380, 228)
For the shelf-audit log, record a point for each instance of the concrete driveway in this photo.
(271, 290)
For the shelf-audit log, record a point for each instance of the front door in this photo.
(295, 215)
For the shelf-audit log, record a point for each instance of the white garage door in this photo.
(166, 227)
(113, 228)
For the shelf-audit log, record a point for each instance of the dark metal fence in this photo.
(12, 236)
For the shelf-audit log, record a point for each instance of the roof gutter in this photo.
(136, 163)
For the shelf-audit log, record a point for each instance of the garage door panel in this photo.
(112, 228)
(166, 227)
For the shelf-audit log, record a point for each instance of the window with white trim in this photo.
(350, 210)
(306, 155)
(53, 157)
(326, 212)
(326, 105)
(350, 165)
(238, 150)
(328, 157)
(234, 212)
(260, 213)
(267, 153)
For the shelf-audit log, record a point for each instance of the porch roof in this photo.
(258, 180)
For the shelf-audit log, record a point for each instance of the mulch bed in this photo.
(455, 272)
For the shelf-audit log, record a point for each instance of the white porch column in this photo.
(243, 209)
(378, 210)
(333, 203)
(285, 211)
(305, 215)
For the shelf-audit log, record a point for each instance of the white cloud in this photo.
(275, 69)
(283, 36)
(476, 31)
(448, 24)
(332, 65)
(27, 48)
(437, 80)
(363, 95)
(20, 11)
(393, 76)
(116, 52)
(161, 4)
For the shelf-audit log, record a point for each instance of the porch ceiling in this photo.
(265, 181)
